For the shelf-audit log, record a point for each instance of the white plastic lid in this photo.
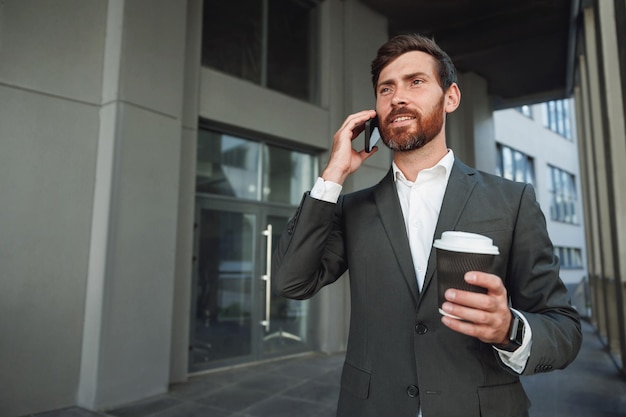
(466, 242)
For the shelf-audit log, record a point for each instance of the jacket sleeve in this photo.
(536, 289)
(310, 253)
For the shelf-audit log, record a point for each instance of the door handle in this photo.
(267, 277)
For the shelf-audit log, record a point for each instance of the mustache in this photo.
(401, 112)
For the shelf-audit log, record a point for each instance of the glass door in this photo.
(235, 316)
(286, 322)
(222, 294)
(246, 190)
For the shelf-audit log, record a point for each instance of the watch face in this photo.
(516, 335)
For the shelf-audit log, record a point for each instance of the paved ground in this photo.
(590, 387)
(308, 387)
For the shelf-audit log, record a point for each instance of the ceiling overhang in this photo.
(523, 48)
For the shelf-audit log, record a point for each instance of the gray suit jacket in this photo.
(400, 356)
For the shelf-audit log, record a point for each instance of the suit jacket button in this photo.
(412, 391)
(421, 328)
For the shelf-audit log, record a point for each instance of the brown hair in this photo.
(402, 44)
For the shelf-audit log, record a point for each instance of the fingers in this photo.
(493, 283)
(485, 316)
(344, 160)
(487, 333)
(350, 129)
(495, 298)
(355, 123)
(493, 328)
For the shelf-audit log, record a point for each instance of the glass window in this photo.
(570, 258)
(530, 172)
(227, 165)
(552, 116)
(245, 169)
(567, 129)
(288, 175)
(273, 43)
(525, 110)
(232, 37)
(514, 165)
(507, 161)
(563, 195)
(556, 116)
(291, 48)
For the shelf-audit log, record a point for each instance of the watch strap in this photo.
(516, 334)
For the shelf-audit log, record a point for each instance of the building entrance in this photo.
(236, 317)
(245, 193)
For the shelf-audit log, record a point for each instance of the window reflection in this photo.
(222, 325)
(291, 48)
(232, 37)
(288, 174)
(556, 116)
(515, 165)
(570, 258)
(227, 166)
(241, 168)
(525, 110)
(563, 195)
(273, 43)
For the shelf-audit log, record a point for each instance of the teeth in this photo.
(402, 119)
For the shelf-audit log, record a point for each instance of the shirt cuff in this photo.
(517, 360)
(326, 190)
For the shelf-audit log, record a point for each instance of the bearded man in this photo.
(404, 358)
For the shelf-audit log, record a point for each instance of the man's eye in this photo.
(384, 90)
(416, 82)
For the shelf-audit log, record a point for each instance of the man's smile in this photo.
(402, 119)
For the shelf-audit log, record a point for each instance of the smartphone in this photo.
(372, 134)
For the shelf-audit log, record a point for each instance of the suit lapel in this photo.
(460, 186)
(390, 212)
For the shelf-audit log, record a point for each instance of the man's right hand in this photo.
(344, 160)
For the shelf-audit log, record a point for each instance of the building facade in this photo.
(538, 144)
(149, 157)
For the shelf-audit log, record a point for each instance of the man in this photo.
(404, 358)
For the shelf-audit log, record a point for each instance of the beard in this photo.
(408, 138)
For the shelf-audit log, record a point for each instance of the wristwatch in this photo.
(516, 334)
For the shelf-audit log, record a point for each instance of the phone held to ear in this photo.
(372, 134)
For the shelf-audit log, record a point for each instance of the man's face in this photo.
(410, 102)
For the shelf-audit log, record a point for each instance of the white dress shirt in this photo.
(421, 203)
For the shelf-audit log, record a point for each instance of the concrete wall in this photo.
(126, 345)
(49, 122)
(470, 129)
(90, 120)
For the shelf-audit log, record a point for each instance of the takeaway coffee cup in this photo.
(458, 253)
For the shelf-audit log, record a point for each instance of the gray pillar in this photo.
(50, 88)
(599, 160)
(470, 129)
(126, 342)
(615, 142)
(187, 192)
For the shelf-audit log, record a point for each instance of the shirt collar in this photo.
(446, 163)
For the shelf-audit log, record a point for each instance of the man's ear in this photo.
(453, 98)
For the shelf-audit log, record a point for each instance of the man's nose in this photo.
(399, 98)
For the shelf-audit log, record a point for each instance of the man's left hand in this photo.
(485, 316)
